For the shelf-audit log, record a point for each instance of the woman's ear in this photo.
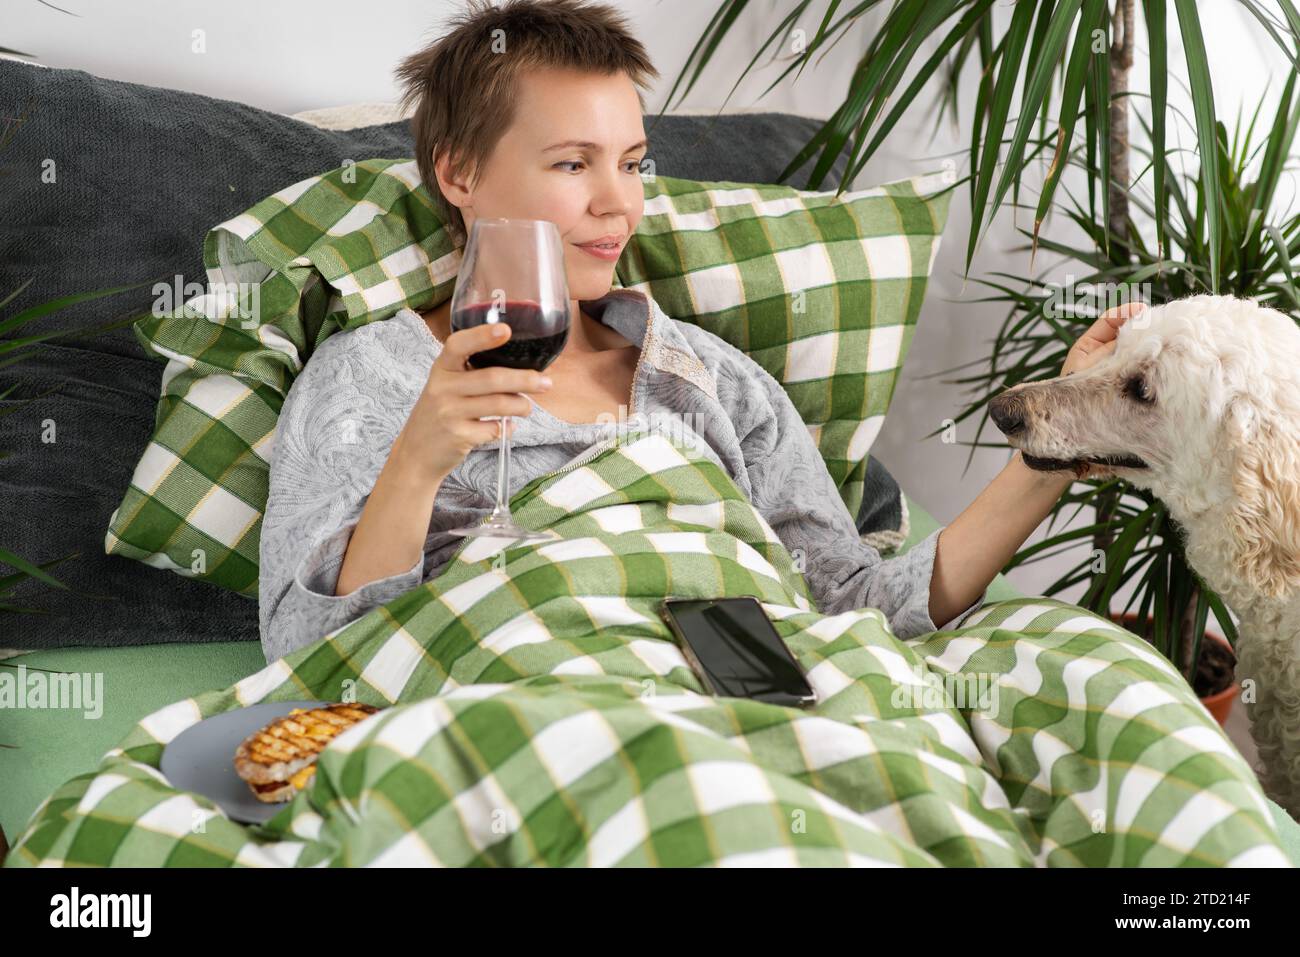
(454, 184)
(1264, 519)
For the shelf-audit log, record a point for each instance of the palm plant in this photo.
(1087, 44)
(1253, 258)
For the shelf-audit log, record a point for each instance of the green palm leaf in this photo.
(1018, 60)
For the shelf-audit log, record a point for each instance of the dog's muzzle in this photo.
(1010, 414)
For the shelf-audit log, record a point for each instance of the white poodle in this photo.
(1200, 403)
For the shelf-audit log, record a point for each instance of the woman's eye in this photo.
(1137, 389)
(634, 164)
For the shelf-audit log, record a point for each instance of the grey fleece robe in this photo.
(352, 398)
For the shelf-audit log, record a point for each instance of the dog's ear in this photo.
(1264, 518)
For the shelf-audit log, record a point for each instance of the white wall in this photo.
(293, 56)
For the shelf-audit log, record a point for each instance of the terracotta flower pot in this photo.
(1219, 703)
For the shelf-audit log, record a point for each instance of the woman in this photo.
(380, 448)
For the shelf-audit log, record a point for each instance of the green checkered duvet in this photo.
(539, 712)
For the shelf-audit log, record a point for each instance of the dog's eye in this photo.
(1137, 389)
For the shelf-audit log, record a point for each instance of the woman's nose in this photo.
(612, 197)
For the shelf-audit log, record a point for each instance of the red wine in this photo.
(533, 343)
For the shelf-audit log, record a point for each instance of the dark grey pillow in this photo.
(140, 174)
(882, 518)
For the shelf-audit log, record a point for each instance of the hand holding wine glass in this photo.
(512, 274)
(447, 421)
(444, 425)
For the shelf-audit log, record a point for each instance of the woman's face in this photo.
(588, 191)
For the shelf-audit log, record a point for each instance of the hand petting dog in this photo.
(1099, 341)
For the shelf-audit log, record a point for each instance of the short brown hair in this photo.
(463, 89)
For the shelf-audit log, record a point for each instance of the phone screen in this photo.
(739, 652)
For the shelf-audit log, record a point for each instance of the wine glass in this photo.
(512, 272)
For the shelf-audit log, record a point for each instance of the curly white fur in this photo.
(1206, 391)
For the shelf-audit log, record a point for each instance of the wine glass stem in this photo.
(501, 512)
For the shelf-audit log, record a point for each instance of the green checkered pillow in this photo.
(823, 291)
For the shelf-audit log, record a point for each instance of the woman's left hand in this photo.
(1099, 341)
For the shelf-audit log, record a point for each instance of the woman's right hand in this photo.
(445, 423)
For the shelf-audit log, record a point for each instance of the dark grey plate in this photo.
(202, 759)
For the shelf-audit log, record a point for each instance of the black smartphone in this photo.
(736, 652)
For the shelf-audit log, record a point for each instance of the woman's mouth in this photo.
(608, 252)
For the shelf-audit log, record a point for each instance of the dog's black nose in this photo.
(1008, 413)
